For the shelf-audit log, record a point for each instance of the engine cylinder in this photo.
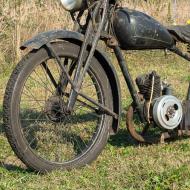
(145, 82)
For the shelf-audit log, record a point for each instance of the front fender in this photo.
(43, 38)
(74, 37)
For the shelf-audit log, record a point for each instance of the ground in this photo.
(123, 164)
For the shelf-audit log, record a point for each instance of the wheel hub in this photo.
(55, 109)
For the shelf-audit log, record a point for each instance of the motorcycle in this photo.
(63, 99)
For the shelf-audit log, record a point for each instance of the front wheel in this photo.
(42, 134)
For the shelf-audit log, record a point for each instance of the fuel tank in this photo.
(135, 30)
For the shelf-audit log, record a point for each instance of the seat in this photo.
(180, 33)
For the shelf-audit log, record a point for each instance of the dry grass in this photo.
(164, 11)
(22, 19)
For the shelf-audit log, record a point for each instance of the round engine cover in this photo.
(167, 112)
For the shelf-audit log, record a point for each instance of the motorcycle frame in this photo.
(92, 41)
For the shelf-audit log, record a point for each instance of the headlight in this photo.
(73, 5)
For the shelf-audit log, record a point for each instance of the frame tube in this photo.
(129, 81)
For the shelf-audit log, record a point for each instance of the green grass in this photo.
(123, 164)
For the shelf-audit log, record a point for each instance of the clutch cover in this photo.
(167, 112)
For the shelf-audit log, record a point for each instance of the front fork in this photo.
(77, 83)
(83, 68)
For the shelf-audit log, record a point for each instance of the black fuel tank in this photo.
(135, 30)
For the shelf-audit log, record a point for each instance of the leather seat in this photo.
(180, 33)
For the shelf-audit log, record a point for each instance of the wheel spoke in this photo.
(51, 132)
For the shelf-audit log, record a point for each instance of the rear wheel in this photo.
(42, 134)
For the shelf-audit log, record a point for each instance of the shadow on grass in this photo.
(14, 167)
(122, 139)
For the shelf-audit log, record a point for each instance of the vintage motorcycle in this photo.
(63, 99)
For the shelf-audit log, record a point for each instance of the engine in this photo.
(160, 106)
(145, 82)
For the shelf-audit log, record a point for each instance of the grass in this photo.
(123, 164)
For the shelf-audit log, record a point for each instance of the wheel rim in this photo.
(56, 136)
